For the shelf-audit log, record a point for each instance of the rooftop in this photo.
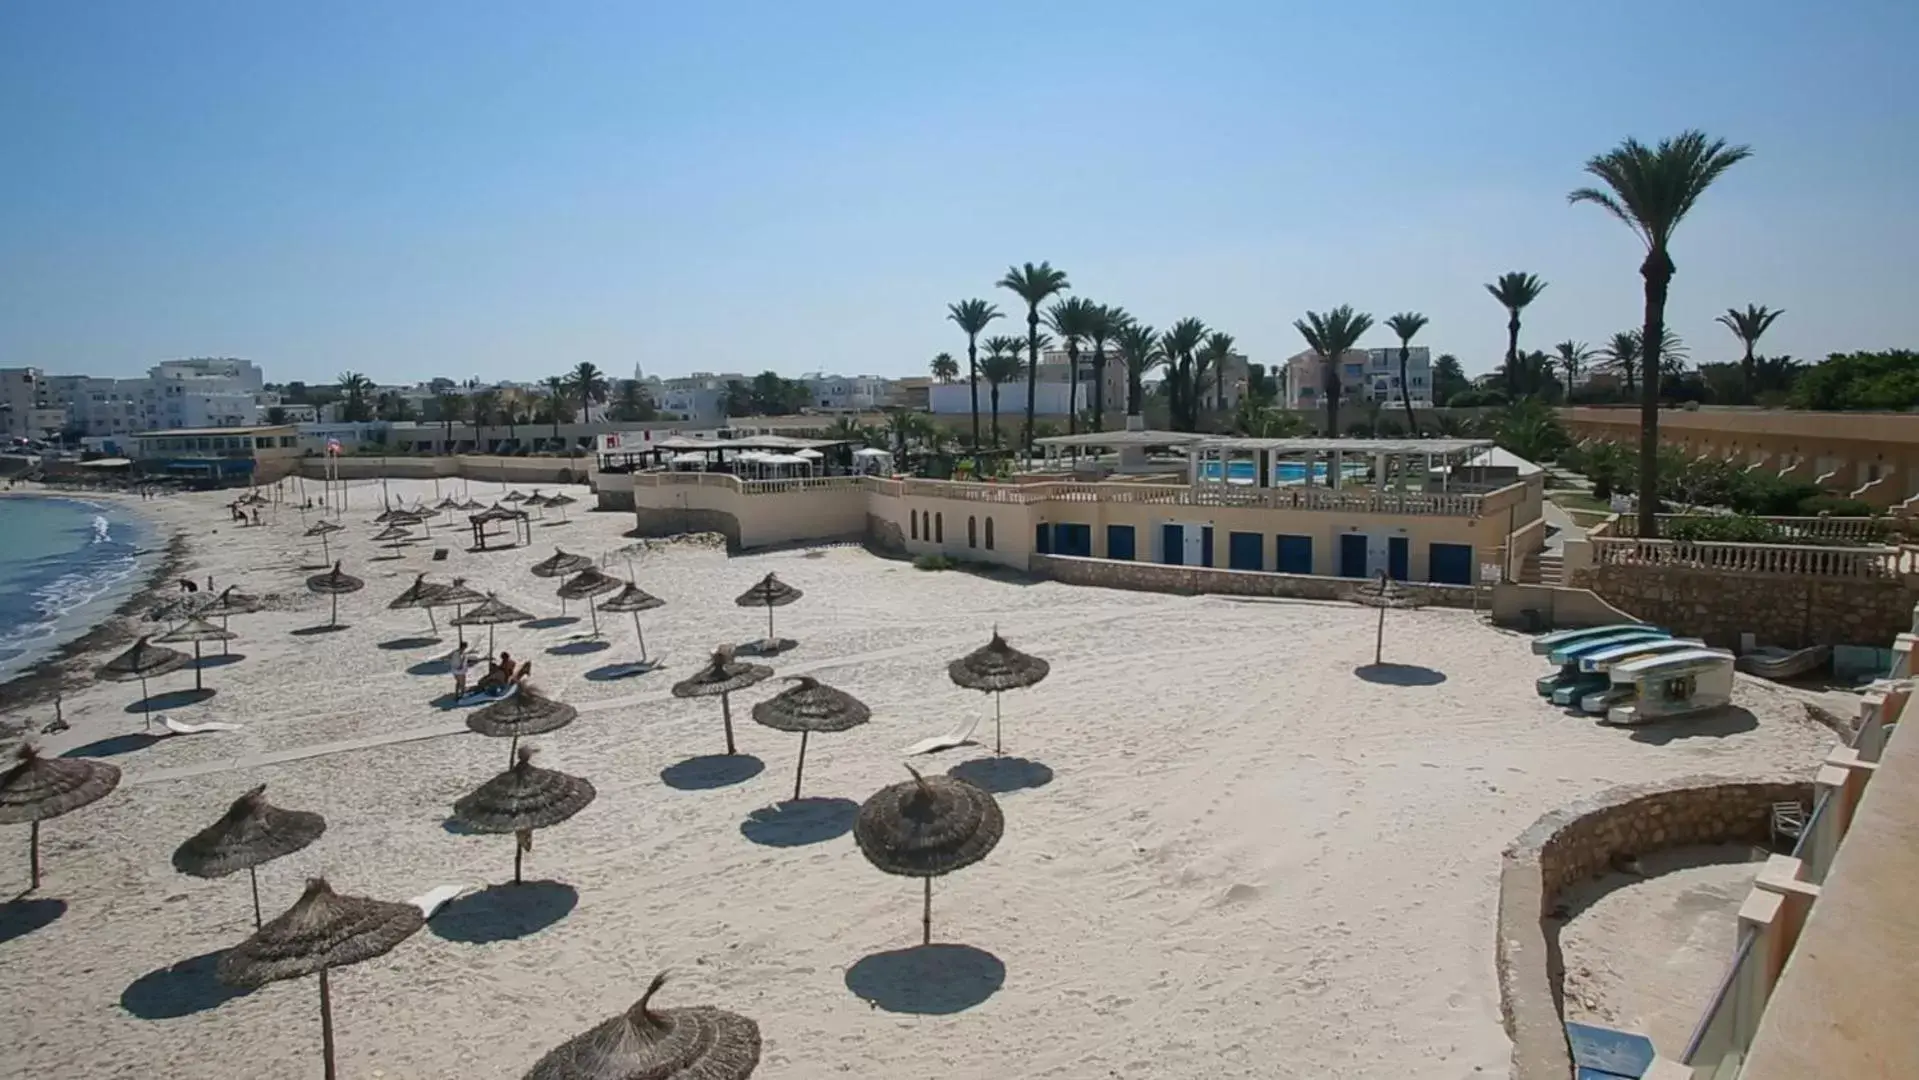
(1124, 438)
(750, 442)
(260, 429)
(1435, 447)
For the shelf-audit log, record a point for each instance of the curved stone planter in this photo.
(1580, 841)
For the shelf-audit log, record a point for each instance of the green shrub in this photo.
(934, 562)
(1836, 505)
(1737, 529)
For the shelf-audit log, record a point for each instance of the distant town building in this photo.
(26, 410)
(1365, 375)
(856, 393)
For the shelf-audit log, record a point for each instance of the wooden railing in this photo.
(1783, 559)
(1864, 530)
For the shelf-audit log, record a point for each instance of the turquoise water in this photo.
(65, 564)
(1245, 472)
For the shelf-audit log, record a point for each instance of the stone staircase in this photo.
(1543, 567)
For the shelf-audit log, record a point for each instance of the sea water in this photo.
(65, 564)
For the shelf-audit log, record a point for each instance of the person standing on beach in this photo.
(459, 672)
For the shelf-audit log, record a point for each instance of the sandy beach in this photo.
(1233, 857)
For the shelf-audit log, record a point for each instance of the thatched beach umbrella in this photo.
(456, 596)
(721, 676)
(526, 711)
(634, 599)
(1383, 592)
(448, 503)
(418, 595)
(472, 505)
(996, 667)
(514, 497)
(143, 661)
(926, 827)
(521, 799)
(697, 1043)
(559, 565)
(769, 592)
(251, 832)
(229, 603)
(560, 501)
(321, 931)
(322, 530)
(37, 788)
(195, 630)
(807, 706)
(586, 585)
(394, 536)
(490, 613)
(335, 584)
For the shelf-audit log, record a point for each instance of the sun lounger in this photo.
(177, 728)
(431, 901)
(959, 736)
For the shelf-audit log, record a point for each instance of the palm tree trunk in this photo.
(972, 382)
(995, 415)
(1032, 373)
(1405, 389)
(1745, 374)
(1657, 270)
(1072, 387)
(1512, 357)
(1099, 386)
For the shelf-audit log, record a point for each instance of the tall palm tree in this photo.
(972, 317)
(1330, 335)
(511, 399)
(1181, 344)
(1405, 325)
(1621, 354)
(1574, 357)
(1035, 285)
(556, 393)
(945, 368)
(354, 388)
(1748, 326)
(1139, 350)
(1514, 290)
(1002, 365)
(1651, 189)
(587, 384)
(1216, 353)
(486, 407)
(452, 409)
(1105, 324)
(1072, 319)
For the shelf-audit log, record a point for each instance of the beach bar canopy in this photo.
(1384, 464)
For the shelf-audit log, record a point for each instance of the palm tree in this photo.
(1216, 353)
(1072, 319)
(1139, 350)
(452, 408)
(1515, 290)
(354, 387)
(1530, 374)
(486, 406)
(1105, 323)
(1182, 343)
(945, 368)
(1621, 354)
(1033, 284)
(1002, 365)
(556, 393)
(1330, 335)
(1748, 326)
(1574, 357)
(510, 401)
(588, 384)
(1651, 189)
(1405, 325)
(972, 316)
(633, 403)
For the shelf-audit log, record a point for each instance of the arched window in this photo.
(989, 534)
(939, 528)
(913, 516)
(972, 531)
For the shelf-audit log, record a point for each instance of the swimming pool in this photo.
(1284, 472)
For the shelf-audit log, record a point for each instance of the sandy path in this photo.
(1248, 861)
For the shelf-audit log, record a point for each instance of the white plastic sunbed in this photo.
(959, 736)
(177, 728)
(431, 901)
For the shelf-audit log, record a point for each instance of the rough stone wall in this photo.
(1581, 841)
(884, 535)
(1193, 580)
(615, 499)
(1792, 612)
(675, 521)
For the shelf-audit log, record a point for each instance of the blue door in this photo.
(1398, 558)
(1043, 539)
(1119, 542)
(1245, 551)
(1352, 555)
(1172, 542)
(1069, 539)
(1206, 545)
(1450, 564)
(1295, 555)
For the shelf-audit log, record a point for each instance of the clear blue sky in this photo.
(478, 187)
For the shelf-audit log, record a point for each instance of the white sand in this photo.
(1249, 862)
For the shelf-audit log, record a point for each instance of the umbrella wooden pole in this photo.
(801, 770)
(146, 704)
(254, 876)
(196, 666)
(926, 915)
(223, 625)
(512, 751)
(593, 610)
(769, 626)
(33, 856)
(433, 622)
(326, 554)
(326, 1025)
(726, 715)
(519, 851)
(1379, 638)
(996, 729)
(333, 619)
(642, 636)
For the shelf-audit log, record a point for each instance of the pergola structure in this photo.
(1382, 464)
(722, 454)
(1132, 446)
(520, 524)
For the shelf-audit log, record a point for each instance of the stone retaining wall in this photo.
(1580, 841)
(677, 521)
(1193, 580)
(1792, 612)
(884, 535)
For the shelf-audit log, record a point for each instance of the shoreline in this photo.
(41, 681)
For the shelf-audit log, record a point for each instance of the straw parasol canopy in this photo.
(586, 585)
(252, 831)
(195, 630)
(521, 799)
(769, 592)
(927, 827)
(996, 667)
(323, 530)
(321, 931)
(394, 536)
(698, 1043)
(721, 676)
(143, 661)
(514, 497)
(335, 583)
(560, 564)
(634, 599)
(448, 503)
(560, 501)
(418, 595)
(807, 706)
(37, 788)
(1383, 592)
(489, 613)
(526, 711)
(472, 505)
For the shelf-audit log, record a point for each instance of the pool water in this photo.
(1246, 472)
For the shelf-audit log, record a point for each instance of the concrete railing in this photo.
(1783, 559)
(1862, 530)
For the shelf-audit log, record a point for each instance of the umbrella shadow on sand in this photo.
(579, 648)
(711, 771)
(172, 699)
(1000, 775)
(798, 822)
(551, 622)
(928, 980)
(417, 641)
(1399, 675)
(22, 917)
(505, 912)
(315, 631)
(627, 670)
(765, 647)
(114, 745)
(181, 989)
(215, 660)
